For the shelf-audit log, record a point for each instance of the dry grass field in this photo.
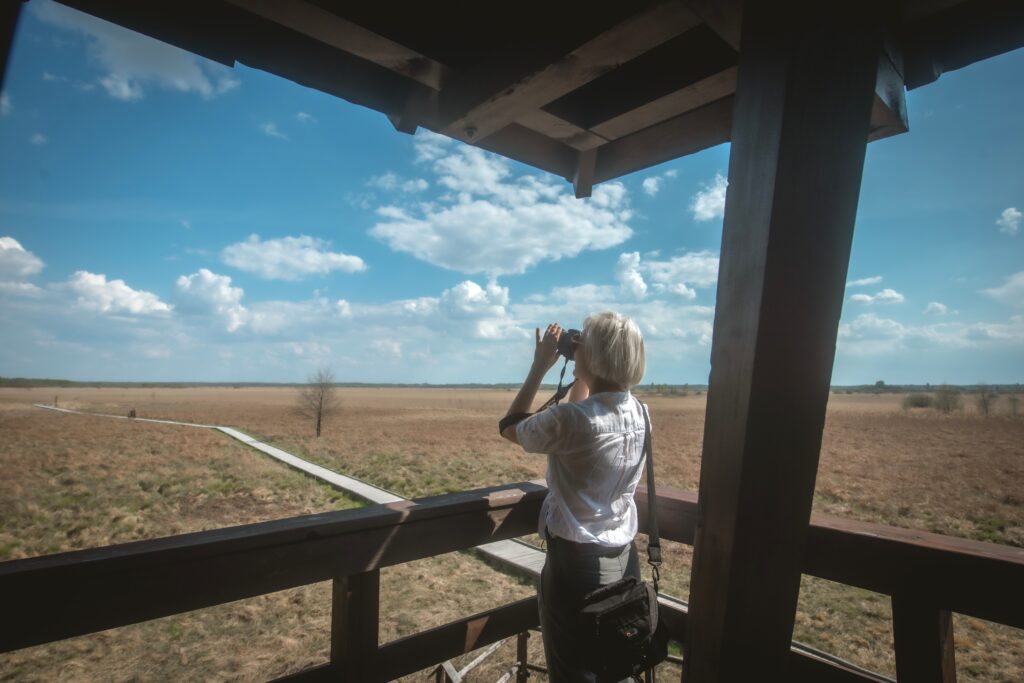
(73, 481)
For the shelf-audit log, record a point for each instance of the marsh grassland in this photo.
(75, 481)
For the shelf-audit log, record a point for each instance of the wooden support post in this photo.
(522, 653)
(583, 179)
(923, 638)
(355, 625)
(800, 126)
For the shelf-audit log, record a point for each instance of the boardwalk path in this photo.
(516, 555)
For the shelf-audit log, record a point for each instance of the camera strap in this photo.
(561, 391)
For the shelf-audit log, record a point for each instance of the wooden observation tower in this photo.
(590, 91)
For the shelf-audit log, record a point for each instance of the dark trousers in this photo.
(572, 570)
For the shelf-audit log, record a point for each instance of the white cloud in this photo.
(495, 224)
(343, 308)
(674, 276)
(886, 296)
(38, 139)
(5, 104)
(20, 289)
(430, 146)
(53, 78)
(15, 261)
(96, 293)
(869, 334)
(303, 117)
(132, 61)
(1009, 221)
(936, 308)
(387, 347)
(269, 128)
(627, 272)
(1010, 292)
(289, 258)
(651, 185)
(709, 203)
(206, 293)
(874, 280)
(391, 181)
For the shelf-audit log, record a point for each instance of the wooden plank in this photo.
(355, 625)
(685, 134)
(800, 126)
(672, 66)
(485, 107)
(531, 148)
(338, 32)
(561, 130)
(694, 96)
(59, 596)
(923, 639)
(414, 653)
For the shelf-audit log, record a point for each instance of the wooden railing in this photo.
(69, 594)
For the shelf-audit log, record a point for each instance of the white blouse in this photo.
(595, 452)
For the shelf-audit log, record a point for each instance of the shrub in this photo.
(985, 400)
(946, 399)
(1014, 401)
(917, 401)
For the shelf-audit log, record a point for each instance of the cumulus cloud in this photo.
(16, 262)
(303, 117)
(131, 61)
(680, 274)
(269, 128)
(493, 223)
(96, 293)
(936, 308)
(627, 272)
(206, 293)
(653, 184)
(709, 202)
(5, 104)
(886, 296)
(1010, 292)
(864, 281)
(869, 334)
(1009, 221)
(391, 182)
(38, 139)
(289, 258)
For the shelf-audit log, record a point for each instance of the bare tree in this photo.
(319, 398)
(984, 399)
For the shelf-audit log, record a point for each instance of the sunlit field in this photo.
(75, 481)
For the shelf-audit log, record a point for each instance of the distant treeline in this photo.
(879, 387)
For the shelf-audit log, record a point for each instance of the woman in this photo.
(594, 445)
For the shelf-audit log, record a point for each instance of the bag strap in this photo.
(653, 537)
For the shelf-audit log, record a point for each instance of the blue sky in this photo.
(166, 218)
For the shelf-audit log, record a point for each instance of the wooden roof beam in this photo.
(338, 32)
(471, 110)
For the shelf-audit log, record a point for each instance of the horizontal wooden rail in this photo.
(422, 650)
(58, 596)
(68, 594)
(969, 577)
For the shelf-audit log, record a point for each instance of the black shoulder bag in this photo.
(623, 616)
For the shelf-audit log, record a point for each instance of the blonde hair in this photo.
(615, 348)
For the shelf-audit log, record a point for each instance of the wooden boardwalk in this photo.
(514, 554)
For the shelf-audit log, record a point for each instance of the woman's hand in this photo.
(545, 354)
